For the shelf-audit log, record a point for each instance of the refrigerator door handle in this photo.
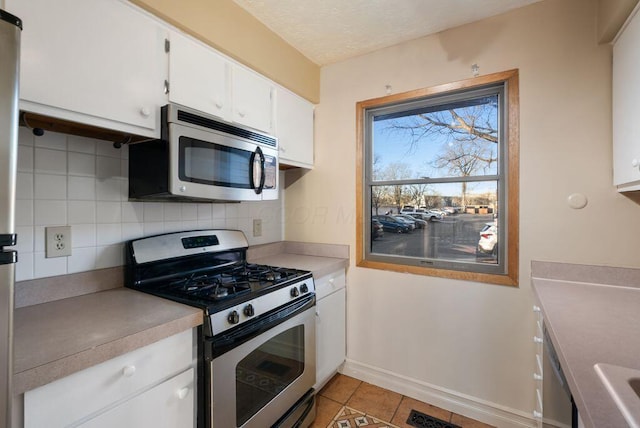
(8, 257)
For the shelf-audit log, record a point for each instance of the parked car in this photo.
(441, 211)
(392, 224)
(418, 222)
(450, 210)
(377, 230)
(407, 209)
(410, 222)
(432, 215)
(488, 242)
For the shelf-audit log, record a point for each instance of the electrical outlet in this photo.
(57, 241)
(257, 227)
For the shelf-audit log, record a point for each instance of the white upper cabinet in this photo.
(198, 77)
(626, 104)
(252, 99)
(294, 129)
(204, 80)
(100, 62)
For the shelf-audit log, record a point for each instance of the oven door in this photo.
(211, 165)
(272, 367)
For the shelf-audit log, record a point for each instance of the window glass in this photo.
(452, 140)
(439, 181)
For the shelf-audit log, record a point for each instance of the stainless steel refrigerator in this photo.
(10, 29)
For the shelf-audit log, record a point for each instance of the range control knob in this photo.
(233, 318)
(295, 292)
(304, 288)
(249, 311)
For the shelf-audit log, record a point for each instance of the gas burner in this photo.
(219, 293)
(212, 279)
(272, 276)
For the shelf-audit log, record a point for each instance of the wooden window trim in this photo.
(511, 78)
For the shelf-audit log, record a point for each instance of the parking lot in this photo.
(455, 237)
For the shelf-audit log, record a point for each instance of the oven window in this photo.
(268, 370)
(213, 164)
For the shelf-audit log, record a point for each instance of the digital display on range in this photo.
(200, 241)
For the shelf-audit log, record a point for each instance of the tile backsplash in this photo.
(83, 182)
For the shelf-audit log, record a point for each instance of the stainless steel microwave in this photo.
(201, 157)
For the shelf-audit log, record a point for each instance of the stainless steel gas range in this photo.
(256, 348)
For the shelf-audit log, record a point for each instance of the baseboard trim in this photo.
(472, 407)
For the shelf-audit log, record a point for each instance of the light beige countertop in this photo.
(320, 259)
(592, 316)
(55, 339)
(68, 323)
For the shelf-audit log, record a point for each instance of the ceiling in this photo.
(328, 31)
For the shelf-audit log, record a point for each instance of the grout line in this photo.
(354, 391)
(397, 407)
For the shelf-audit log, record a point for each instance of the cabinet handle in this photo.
(183, 392)
(242, 113)
(537, 376)
(536, 308)
(219, 104)
(537, 339)
(634, 163)
(317, 312)
(166, 87)
(128, 371)
(537, 414)
(145, 112)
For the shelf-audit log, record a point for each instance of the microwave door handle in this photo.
(252, 162)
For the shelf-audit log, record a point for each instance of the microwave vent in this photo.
(205, 122)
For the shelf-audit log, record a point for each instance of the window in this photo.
(437, 184)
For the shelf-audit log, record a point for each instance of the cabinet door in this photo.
(294, 129)
(330, 335)
(75, 397)
(251, 99)
(626, 102)
(198, 77)
(98, 62)
(168, 405)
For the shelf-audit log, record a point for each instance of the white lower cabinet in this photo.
(155, 382)
(168, 405)
(538, 377)
(330, 326)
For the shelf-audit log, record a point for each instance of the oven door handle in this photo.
(225, 342)
(253, 162)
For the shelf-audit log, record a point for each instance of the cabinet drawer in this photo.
(329, 283)
(76, 396)
(168, 405)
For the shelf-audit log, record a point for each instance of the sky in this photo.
(391, 144)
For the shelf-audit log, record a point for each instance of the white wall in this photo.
(467, 338)
(83, 182)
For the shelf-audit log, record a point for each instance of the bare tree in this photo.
(432, 200)
(397, 171)
(377, 192)
(467, 135)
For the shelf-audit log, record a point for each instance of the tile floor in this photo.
(344, 397)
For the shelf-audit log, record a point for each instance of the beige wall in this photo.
(475, 339)
(611, 15)
(230, 29)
